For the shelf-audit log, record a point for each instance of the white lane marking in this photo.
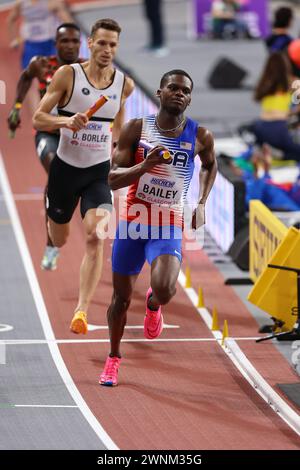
(6, 6)
(17, 342)
(85, 5)
(4, 328)
(90, 5)
(44, 406)
(25, 197)
(2, 353)
(245, 367)
(127, 327)
(43, 315)
(28, 197)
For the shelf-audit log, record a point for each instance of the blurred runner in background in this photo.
(39, 20)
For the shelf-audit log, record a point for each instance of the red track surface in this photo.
(180, 395)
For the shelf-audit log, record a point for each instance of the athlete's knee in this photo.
(46, 162)
(92, 236)
(163, 293)
(49, 157)
(58, 238)
(93, 242)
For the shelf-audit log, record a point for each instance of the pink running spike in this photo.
(153, 321)
(109, 376)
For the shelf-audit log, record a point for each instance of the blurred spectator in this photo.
(39, 22)
(280, 39)
(274, 95)
(224, 21)
(153, 13)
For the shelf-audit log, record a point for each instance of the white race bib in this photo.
(94, 136)
(157, 189)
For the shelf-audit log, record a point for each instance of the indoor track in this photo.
(179, 392)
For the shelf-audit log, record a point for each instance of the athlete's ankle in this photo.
(81, 308)
(152, 307)
(118, 355)
(49, 242)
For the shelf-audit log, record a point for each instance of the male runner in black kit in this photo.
(80, 170)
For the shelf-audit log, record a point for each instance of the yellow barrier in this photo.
(200, 298)
(275, 291)
(225, 333)
(266, 232)
(215, 321)
(188, 282)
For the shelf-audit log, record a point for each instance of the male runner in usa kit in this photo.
(151, 223)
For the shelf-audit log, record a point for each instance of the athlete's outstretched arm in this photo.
(124, 171)
(209, 167)
(58, 93)
(205, 149)
(120, 117)
(35, 69)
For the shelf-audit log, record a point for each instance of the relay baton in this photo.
(99, 103)
(93, 109)
(147, 146)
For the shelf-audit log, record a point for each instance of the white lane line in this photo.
(6, 6)
(16, 342)
(90, 5)
(43, 314)
(44, 406)
(84, 5)
(25, 197)
(127, 327)
(2, 353)
(28, 197)
(4, 328)
(245, 367)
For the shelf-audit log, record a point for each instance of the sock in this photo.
(152, 308)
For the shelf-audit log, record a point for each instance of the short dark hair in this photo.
(106, 23)
(174, 72)
(67, 26)
(282, 18)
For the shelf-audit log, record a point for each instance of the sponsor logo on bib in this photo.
(94, 126)
(162, 182)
